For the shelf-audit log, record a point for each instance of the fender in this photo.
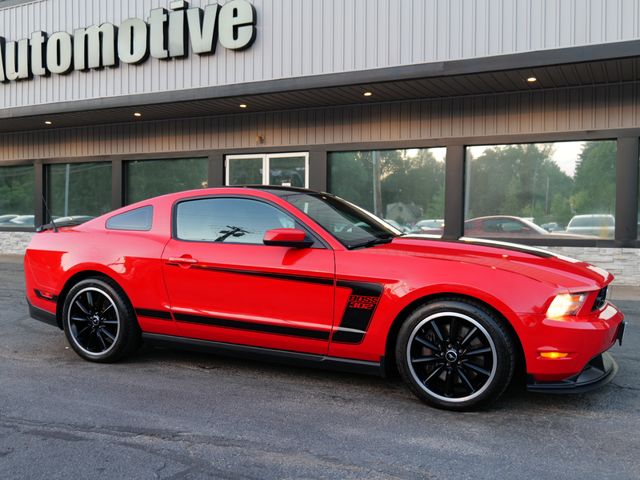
(443, 290)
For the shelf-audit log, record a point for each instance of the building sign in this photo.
(165, 35)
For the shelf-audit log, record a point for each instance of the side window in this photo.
(139, 219)
(511, 226)
(472, 224)
(228, 220)
(491, 226)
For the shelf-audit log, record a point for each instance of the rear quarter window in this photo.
(140, 219)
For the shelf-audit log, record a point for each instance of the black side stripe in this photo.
(161, 314)
(357, 316)
(355, 321)
(255, 273)
(252, 326)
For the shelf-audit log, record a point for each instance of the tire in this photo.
(466, 369)
(99, 322)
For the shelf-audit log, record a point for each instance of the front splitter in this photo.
(598, 372)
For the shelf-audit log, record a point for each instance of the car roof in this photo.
(251, 190)
(278, 190)
(496, 217)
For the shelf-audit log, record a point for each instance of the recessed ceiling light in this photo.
(48, 122)
(243, 105)
(137, 114)
(367, 94)
(532, 79)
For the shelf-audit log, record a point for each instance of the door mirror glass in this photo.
(287, 237)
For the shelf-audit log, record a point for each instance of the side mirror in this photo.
(286, 237)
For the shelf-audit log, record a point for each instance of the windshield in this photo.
(592, 221)
(351, 225)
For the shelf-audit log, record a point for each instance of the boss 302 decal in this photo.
(360, 308)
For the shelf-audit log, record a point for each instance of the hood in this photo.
(536, 263)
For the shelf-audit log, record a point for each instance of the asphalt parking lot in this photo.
(171, 414)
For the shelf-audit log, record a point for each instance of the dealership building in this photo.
(510, 120)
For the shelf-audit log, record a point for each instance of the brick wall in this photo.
(624, 263)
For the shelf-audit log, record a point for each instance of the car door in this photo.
(225, 285)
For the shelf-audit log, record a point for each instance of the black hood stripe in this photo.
(514, 247)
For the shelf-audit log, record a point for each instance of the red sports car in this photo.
(294, 275)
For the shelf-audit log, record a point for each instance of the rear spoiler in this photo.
(54, 226)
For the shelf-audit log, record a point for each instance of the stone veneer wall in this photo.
(14, 242)
(624, 263)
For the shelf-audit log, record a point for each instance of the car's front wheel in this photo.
(99, 322)
(455, 354)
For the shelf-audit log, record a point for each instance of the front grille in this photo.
(600, 299)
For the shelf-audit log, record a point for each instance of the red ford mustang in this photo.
(291, 274)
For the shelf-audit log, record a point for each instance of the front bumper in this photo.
(598, 372)
(579, 340)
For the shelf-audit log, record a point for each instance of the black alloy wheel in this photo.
(99, 322)
(455, 354)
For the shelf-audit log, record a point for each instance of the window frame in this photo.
(627, 179)
(372, 149)
(36, 191)
(266, 164)
(596, 242)
(46, 184)
(124, 165)
(318, 242)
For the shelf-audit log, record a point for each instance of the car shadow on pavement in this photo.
(619, 395)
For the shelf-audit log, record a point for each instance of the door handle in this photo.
(182, 261)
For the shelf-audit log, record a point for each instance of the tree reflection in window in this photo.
(231, 232)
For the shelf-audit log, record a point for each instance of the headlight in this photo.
(566, 304)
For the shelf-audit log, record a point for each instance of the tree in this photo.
(412, 182)
(351, 177)
(520, 180)
(16, 190)
(149, 178)
(415, 180)
(595, 178)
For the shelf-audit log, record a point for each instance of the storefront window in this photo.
(16, 197)
(150, 178)
(283, 169)
(405, 187)
(563, 190)
(79, 190)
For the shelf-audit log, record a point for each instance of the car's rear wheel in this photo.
(455, 354)
(99, 322)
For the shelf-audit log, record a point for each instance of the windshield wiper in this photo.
(372, 242)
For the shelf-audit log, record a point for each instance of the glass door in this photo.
(245, 170)
(285, 169)
(288, 170)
